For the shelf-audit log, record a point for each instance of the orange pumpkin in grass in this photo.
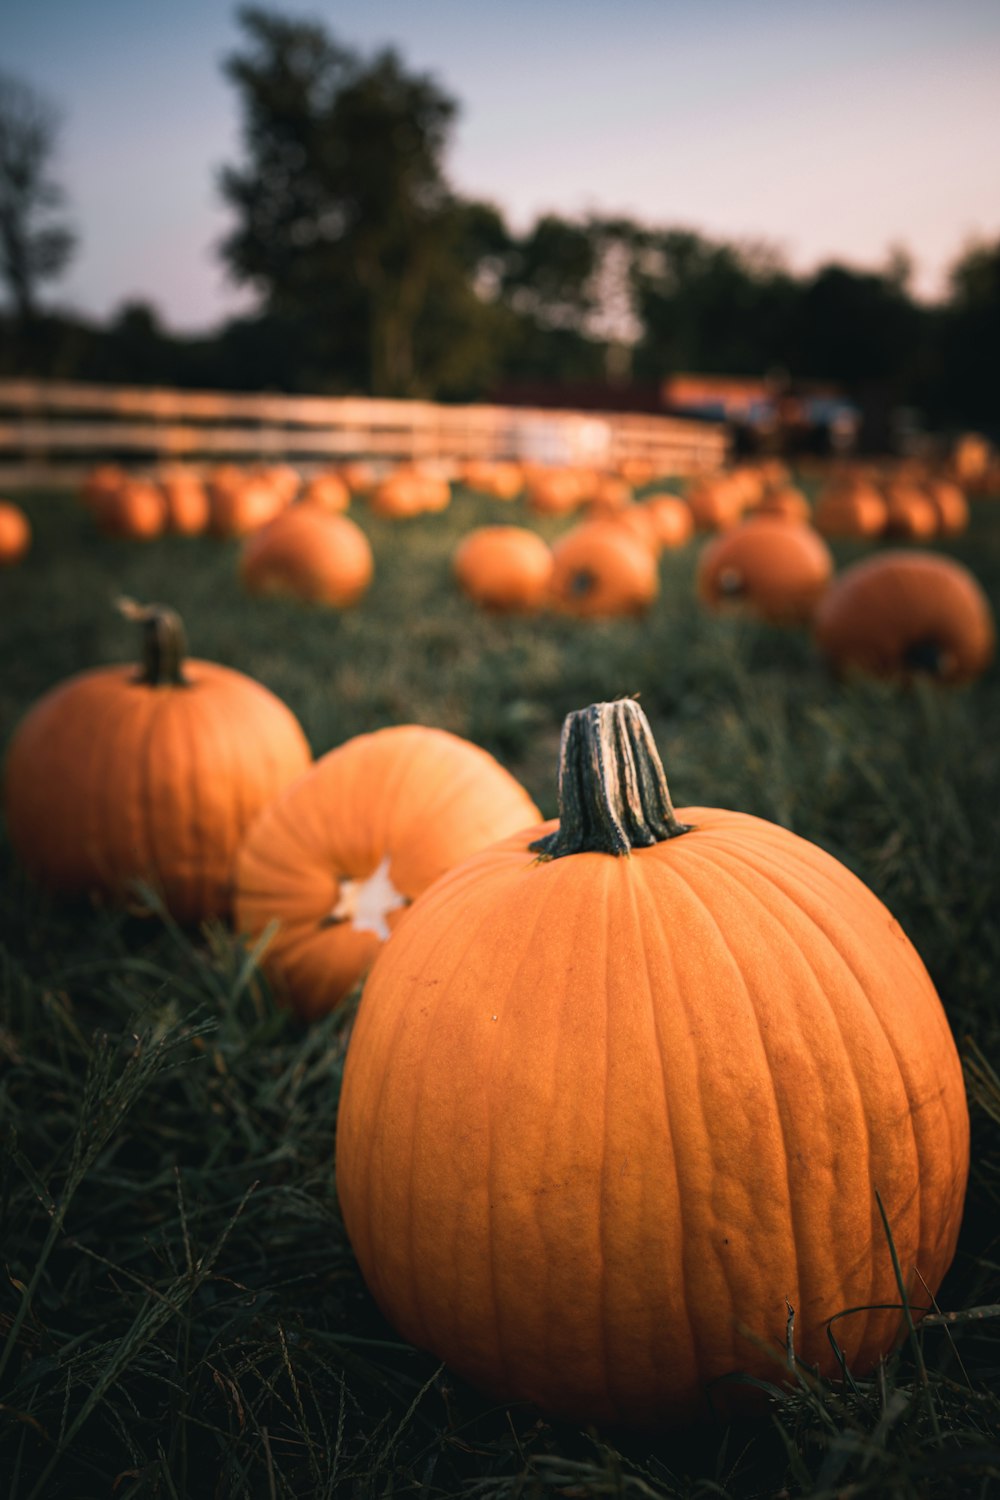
(309, 554)
(398, 497)
(15, 533)
(605, 1120)
(639, 522)
(786, 502)
(903, 614)
(336, 858)
(185, 502)
(241, 505)
(950, 504)
(135, 510)
(102, 481)
(767, 567)
(554, 492)
(850, 508)
(327, 491)
(715, 504)
(148, 773)
(599, 570)
(672, 519)
(909, 513)
(504, 567)
(358, 476)
(608, 494)
(638, 471)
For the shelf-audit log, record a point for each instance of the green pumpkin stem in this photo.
(164, 645)
(613, 793)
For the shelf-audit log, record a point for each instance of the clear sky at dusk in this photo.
(830, 131)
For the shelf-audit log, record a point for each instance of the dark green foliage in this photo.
(180, 1314)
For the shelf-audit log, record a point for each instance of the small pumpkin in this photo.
(135, 510)
(902, 614)
(621, 1092)
(768, 567)
(786, 502)
(850, 508)
(950, 504)
(504, 567)
(151, 773)
(599, 570)
(15, 533)
(554, 492)
(672, 519)
(311, 554)
(399, 496)
(910, 514)
(715, 503)
(608, 494)
(185, 502)
(241, 504)
(337, 857)
(327, 491)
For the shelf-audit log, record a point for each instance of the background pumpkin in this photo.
(601, 1116)
(371, 825)
(600, 570)
(119, 775)
(902, 613)
(773, 568)
(15, 533)
(309, 554)
(504, 567)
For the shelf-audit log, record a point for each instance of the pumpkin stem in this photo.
(613, 793)
(163, 643)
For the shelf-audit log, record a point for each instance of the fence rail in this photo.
(52, 432)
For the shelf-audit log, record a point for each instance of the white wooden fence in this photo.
(52, 432)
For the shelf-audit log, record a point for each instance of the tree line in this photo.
(372, 274)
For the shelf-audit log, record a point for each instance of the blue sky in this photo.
(831, 132)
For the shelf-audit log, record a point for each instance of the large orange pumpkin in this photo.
(601, 1116)
(308, 553)
(504, 567)
(15, 533)
(770, 567)
(372, 824)
(905, 613)
(123, 774)
(598, 569)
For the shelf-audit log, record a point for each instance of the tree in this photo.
(343, 211)
(35, 242)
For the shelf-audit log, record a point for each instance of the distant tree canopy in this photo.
(373, 274)
(36, 243)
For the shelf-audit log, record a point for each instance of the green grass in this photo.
(180, 1313)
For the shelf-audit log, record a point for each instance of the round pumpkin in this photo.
(787, 502)
(906, 613)
(950, 505)
(504, 567)
(241, 503)
(850, 508)
(554, 492)
(152, 773)
(767, 566)
(398, 497)
(135, 510)
(608, 494)
(328, 492)
(185, 502)
(672, 519)
(910, 514)
(599, 570)
(336, 858)
(15, 533)
(715, 504)
(308, 553)
(605, 1119)
(358, 476)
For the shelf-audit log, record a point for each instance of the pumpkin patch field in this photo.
(562, 1243)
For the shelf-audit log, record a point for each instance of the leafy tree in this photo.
(35, 242)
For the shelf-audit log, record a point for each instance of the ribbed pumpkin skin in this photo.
(109, 781)
(310, 554)
(421, 798)
(879, 612)
(600, 1115)
(504, 567)
(773, 568)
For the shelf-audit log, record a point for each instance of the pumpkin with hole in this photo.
(590, 1102)
(309, 554)
(15, 533)
(336, 858)
(768, 567)
(148, 773)
(599, 570)
(904, 614)
(504, 568)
